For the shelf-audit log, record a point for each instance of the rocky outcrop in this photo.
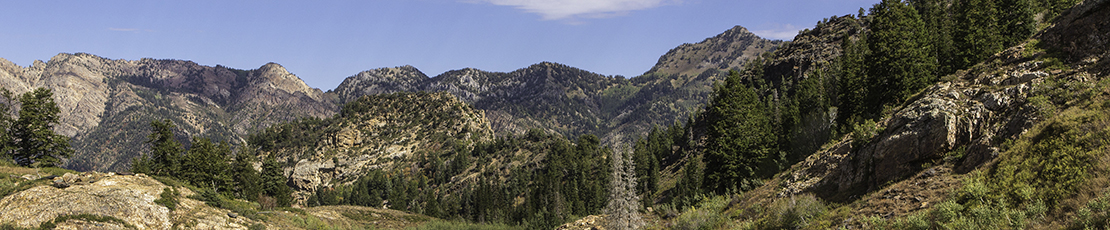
(130, 198)
(972, 113)
(591, 222)
(381, 131)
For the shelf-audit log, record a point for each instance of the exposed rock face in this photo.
(126, 197)
(130, 198)
(106, 104)
(728, 50)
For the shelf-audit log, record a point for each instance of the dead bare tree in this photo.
(624, 205)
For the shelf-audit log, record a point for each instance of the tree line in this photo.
(571, 181)
(213, 167)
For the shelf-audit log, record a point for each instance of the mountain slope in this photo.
(1015, 141)
(728, 50)
(107, 104)
(376, 132)
(570, 101)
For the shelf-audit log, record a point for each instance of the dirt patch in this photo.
(927, 188)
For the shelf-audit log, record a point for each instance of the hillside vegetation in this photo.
(996, 118)
(1007, 135)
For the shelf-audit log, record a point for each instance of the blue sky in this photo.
(323, 42)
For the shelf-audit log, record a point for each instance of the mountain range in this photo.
(107, 104)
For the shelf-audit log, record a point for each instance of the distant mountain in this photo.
(571, 101)
(107, 105)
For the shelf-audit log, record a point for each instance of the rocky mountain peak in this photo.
(736, 32)
(274, 76)
(728, 50)
(274, 69)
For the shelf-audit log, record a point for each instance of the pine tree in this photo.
(740, 138)
(939, 22)
(246, 179)
(7, 102)
(1017, 21)
(689, 186)
(977, 34)
(206, 165)
(165, 151)
(853, 88)
(899, 64)
(273, 183)
(33, 135)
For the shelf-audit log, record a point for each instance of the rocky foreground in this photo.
(130, 198)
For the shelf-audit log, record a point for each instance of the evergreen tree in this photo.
(206, 165)
(7, 101)
(165, 151)
(741, 141)
(899, 64)
(690, 184)
(977, 34)
(273, 183)
(1017, 21)
(33, 135)
(246, 179)
(853, 88)
(939, 22)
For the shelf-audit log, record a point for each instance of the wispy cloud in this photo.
(778, 31)
(574, 9)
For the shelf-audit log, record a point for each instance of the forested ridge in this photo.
(731, 163)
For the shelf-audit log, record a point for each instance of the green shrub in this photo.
(707, 215)
(85, 217)
(863, 131)
(1095, 215)
(218, 200)
(794, 213)
(168, 198)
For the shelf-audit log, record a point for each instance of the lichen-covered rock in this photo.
(129, 198)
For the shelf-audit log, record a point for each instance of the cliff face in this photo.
(106, 105)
